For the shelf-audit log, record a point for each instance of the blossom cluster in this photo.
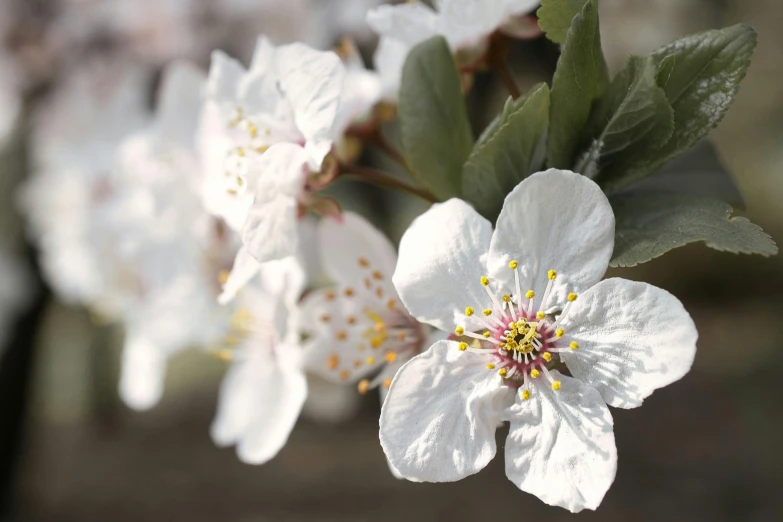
(203, 224)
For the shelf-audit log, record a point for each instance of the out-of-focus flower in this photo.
(15, 291)
(358, 329)
(466, 25)
(262, 395)
(620, 340)
(71, 190)
(266, 132)
(10, 96)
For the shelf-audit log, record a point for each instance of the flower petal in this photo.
(143, 373)
(353, 249)
(389, 60)
(554, 220)
(259, 404)
(440, 264)
(633, 339)
(225, 75)
(245, 268)
(438, 421)
(560, 445)
(410, 23)
(312, 81)
(270, 229)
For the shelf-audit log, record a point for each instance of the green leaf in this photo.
(434, 125)
(512, 148)
(651, 224)
(635, 122)
(579, 80)
(698, 172)
(555, 16)
(701, 75)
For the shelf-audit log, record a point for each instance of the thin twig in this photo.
(374, 177)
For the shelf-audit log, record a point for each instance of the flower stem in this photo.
(374, 177)
(496, 58)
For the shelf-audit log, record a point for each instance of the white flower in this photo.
(466, 25)
(358, 332)
(523, 300)
(263, 393)
(264, 130)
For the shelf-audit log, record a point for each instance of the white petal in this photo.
(143, 373)
(440, 263)
(270, 229)
(245, 268)
(312, 81)
(560, 445)
(389, 60)
(633, 339)
(554, 220)
(410, 23)
(179, 102)
(225, 74)
(464, 22)
(346, 245)
(438, 421)
(259, 404)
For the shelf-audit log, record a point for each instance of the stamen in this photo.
(364, 386)
(552, 275)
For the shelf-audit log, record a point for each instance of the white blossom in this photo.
(521, 301)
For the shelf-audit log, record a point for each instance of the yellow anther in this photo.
(379, 292)
(547, 356)
(526, 394)
(469, 311)
(223, 355)
(351, 320)
(484, 280)
(540, 315)
(459, 330)
(333, 362)
(387, 383)
(377, 275)
(490, 366)
(574, 345)
(348, 292)
(506, 298)
(535, 373)
(326, 318)
(344, 375)
(502, 372)
(551, 274)
(572, 298)
(559, 333)
(363, 262)
(391, 304)
(371, 360)
(252, 129)
(556, 385)
(521, 323)
(487, 335)
(401, 336)
(376, 342)
(487, 312)
(364, 386)
(342, 335)
(223, 276)
(391, 357)
(463, 347)
(513, 265)
(530, 294)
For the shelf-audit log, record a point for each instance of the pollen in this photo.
(572, 297)
(469, 311)
(487, 335)
(333, 362)
(559, 333)
(487, 312)
(364, 386)
(574, 345)
(387, 383)
(223, 276)
(379, 292)
(556, 385)
(484, 280)
(391, 304)
(526, 394)
(351, 320)
(490, 366)
(506, 298)
(376, 342)
(391, 357)
(377, 275)
(551, 275)
(463, 347)
(540, 315)
(342, 335)
(530, 294)
(344, 375)
(348, 292)
(459, 330)
(535, 373)
(513, 265)
(547, 356)
(371, 360)
(363, 262)
(503, 372)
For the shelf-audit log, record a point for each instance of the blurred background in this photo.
(706, 448)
